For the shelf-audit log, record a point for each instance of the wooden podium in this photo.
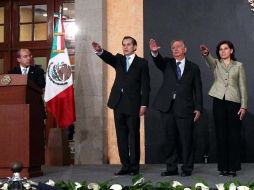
(21, 125)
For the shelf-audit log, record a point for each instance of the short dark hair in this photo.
(134, 42)
(230, 45)
(19, 51)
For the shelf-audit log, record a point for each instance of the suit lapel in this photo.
(187, 68)
(123, 64)
(31, 71)
(134, 62)
(18, 70)
(173, 65)
(227, 68)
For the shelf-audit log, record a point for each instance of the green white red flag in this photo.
(59, 91)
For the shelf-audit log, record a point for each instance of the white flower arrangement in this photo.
(139, 183)
(93, 186)
(116, 187)
(176, 183)
(202, 186)
(220, 186)
(251, 4)
(50, 182)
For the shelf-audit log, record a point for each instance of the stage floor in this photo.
(100, 173)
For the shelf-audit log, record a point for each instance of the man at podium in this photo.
(25, 67)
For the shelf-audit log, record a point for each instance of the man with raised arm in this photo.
(179, 101)
(129, 98)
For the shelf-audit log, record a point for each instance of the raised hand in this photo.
(96, 47)
(153, 46)
(204, 49)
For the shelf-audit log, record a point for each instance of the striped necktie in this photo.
(178, 70)
(24, 71)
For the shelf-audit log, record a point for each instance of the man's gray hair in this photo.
(173, 41)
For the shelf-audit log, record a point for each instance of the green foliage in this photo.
(227, 184)
(138, 183)
(201, 180)
(164, 185)
(62, 185)
(136, 178)
(179, 187)
(105, 185)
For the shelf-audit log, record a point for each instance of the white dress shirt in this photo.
(181, 65)
(24, 70)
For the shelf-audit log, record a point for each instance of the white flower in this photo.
(202, 186)
(5, 186)
(232, 186)
(220, 186)
(93, 186)
(27, 185)
(243, 188)
(140, 181)
(77, 185)
(50, 182)
(186, 188)
(116, 187)
(176, 183)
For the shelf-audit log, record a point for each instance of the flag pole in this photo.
(59, 96)
(59, 33)
(60, 11)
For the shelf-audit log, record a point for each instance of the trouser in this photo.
(228, 134)
(178, 129)
(128, 139)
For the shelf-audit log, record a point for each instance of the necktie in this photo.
(178, 70)
(127, 63)
(24, 71)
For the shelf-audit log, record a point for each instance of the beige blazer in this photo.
(229, 81)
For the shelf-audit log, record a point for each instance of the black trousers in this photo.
(178, 130)
(228, 134)
(128, 137)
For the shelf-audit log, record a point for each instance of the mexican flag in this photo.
(59, 92)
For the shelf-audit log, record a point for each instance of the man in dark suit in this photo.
(129, 98)
(25, 67)
(179, 101)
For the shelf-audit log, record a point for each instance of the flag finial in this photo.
(60, 10)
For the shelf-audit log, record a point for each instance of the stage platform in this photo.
(100, 173)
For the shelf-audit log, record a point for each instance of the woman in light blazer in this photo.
(229, 105)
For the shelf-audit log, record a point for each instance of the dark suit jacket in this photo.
(35, 74)
(188, 89)
(134, 85)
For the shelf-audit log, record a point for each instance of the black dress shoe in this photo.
(169, 173)
(185, 174)
(134, 172)
(223, 173)
(122, 172)
(232, 173)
